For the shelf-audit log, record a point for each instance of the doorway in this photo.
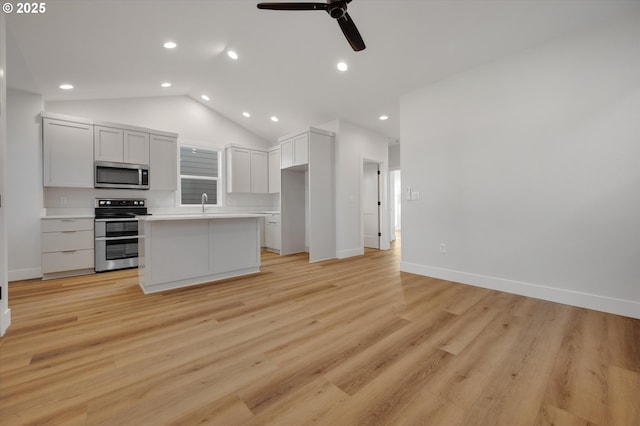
(371, 204)
(395, 191)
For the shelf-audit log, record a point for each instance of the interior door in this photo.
(371, 205)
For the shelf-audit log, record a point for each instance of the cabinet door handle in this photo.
(68, 220)
(69, 251)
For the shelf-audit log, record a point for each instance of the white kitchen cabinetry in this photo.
(272, 233)
(247, 170)
(163, 161)
(67, 246)
(307, 199)
(274, 170)
(259, 172)
(109, 144)
(136, 147)
(238, 170)
(182, 250)
(294, 151)
(67, 152)
(121, 145)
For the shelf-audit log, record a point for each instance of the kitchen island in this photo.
(188, 249)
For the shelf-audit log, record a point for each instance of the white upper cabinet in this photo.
(286, 153)
(121, 145)
(109, 144)
(301, 149)
(247, 170)
(259, 172)
(72, 144)
(238, 170)
(136, 147)
(163, 162)
(67, 153)
(294, 151)
(274, 170)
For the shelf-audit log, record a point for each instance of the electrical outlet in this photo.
(415, 195)
(63, 201)
(443, 248)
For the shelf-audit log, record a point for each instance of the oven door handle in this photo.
(121, 219)
(131, 237)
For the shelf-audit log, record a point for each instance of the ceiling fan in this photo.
(336, 8)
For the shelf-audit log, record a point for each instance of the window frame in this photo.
(219, 178)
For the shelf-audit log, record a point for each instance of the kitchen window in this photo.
(199, 172)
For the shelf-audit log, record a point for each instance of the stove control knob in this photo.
(142, 202)
(107, 202)
(135, 203)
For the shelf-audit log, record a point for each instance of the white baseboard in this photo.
(568, 297)
(341, 254)
(24, 274)
(5, 321)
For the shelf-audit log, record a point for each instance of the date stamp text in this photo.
(24, 8)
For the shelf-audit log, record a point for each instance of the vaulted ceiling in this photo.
(287, 60)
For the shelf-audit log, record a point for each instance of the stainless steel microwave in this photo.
(121, 175)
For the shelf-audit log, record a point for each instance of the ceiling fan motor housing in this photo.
(337, 9)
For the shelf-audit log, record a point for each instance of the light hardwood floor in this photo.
(345, 342)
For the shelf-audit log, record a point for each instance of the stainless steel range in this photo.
(116, 233)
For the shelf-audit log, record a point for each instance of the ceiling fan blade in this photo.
(293, 6)
(351, 32)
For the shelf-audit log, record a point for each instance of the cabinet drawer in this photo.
(65, 241)
(67, 261)
(61, 225)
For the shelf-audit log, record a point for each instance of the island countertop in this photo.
(198, 216)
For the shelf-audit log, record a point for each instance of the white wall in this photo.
(5, 312)
(24, 183)
(528, 171)
(177, 114)
(354, 144)
(394, 156)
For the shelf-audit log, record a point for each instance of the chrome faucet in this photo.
(204, 198)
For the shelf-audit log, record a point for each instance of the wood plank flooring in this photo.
(344, 342)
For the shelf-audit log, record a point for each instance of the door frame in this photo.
(383, 208)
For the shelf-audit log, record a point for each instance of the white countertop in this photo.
(69, 216)
(198, 216)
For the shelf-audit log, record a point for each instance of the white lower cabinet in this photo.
(272, 233)
(178, 252)
(67, 247)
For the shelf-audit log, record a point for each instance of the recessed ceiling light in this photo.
(166, 84)
(342, 66)
(170, 45)
(384, 117)
(274, 118)
(205, 97)
(232, 54)
(66, 86)
(246, 114)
